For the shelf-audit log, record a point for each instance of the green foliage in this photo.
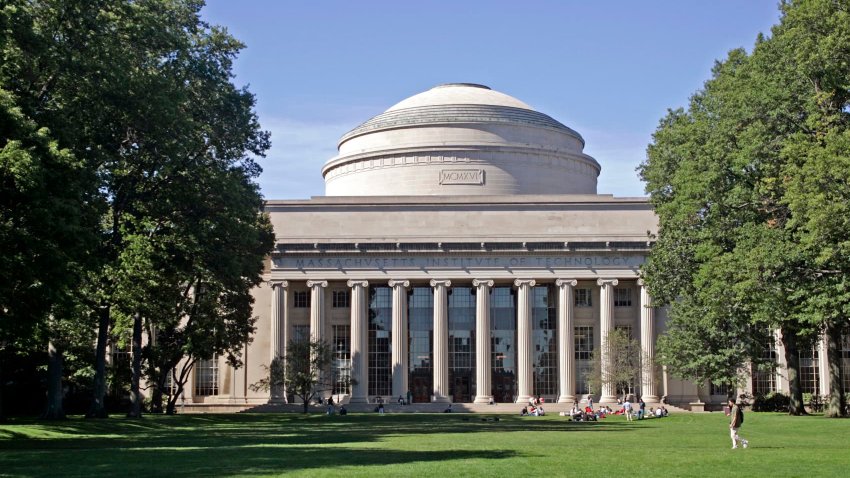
(772, 402)
(142, 113)
(305, 371)
(750, 187)
(626, 364)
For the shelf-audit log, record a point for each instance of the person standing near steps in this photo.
(735, 423)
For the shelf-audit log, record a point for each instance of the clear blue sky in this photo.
(608, 69)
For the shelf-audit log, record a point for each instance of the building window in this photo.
(719, 389)
(342, 359)
(544, 316)
(622, 297)
(461, 309)
(420, 316)
(341, 299)
(764, 380)
(301, 299)
(809, 376)
(583, 352)
(300, 333)
(206, 377)
(503, 344)
(380, 337)
(583, 298)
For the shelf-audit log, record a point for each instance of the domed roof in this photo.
(458, 103)
(460, 94)
(460, 139)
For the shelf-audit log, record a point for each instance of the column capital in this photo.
(566, 282)
(398, 282)
(603, 282)
(480, 282)
(319, 283)
(522, 282)
(444, 283)
(641, 282)
(358, 283)
(279, 283)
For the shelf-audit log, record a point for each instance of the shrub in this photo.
(772, 402)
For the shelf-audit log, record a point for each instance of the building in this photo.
(461, 253)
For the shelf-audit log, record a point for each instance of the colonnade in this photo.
(280, 327)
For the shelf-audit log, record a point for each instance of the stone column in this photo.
(317, 308)
(823, 364)
(482, 341)
(317, 317)
(525, 370)
(648, 389)
(566, 340)
(399, 341)
(606, 324)
(441, 340)
(277, 346)
(359, 341)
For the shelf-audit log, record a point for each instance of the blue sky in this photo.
(608, 69)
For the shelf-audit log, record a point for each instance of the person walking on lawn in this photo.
(735, 423)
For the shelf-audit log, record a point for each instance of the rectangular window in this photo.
(719, 389)
(380, 337)
(845, 362)
(503, 344)
(809, 377)
(544, 316)
(301, 299)
(300, 333)
(622, 297)
(461, 311)
(341, 299)
(583, 298)
(206, 377)
(764, 380)
(420, 316)
(342, 359)
(583, 351)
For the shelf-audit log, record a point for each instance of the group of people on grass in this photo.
(534, 408)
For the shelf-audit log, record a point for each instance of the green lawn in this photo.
(416, 445)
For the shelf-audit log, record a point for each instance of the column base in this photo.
(651, 398)
(485, 399)
(608, 399)
(439, 399)
(566, 399)
(358, 400)
(523, 398)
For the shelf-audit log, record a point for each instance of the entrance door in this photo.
(462, 389)
(504, 387)
(421, 388)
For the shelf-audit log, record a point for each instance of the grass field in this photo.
(412, 445)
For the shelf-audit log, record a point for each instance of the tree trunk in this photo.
(156, 397)
(837, 399)
(306, 404)
(98, 407)
(792, 363)
(55, 360)
(2, 381)
(135, 393)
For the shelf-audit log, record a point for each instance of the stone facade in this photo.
(461, 254)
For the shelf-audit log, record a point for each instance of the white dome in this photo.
(460, 139)
(460, 94)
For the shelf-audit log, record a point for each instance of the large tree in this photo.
(750, 187)
(141, 94)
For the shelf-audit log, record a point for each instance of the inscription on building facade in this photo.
(470, 262)
(461, 176)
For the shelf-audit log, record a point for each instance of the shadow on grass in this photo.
(252, 444)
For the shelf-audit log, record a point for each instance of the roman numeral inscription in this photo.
(461, 176)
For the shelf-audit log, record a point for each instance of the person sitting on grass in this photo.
(523, 412)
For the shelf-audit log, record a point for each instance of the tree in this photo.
(626, 364)
(141, 93)
(749, 185)
(304, 371)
